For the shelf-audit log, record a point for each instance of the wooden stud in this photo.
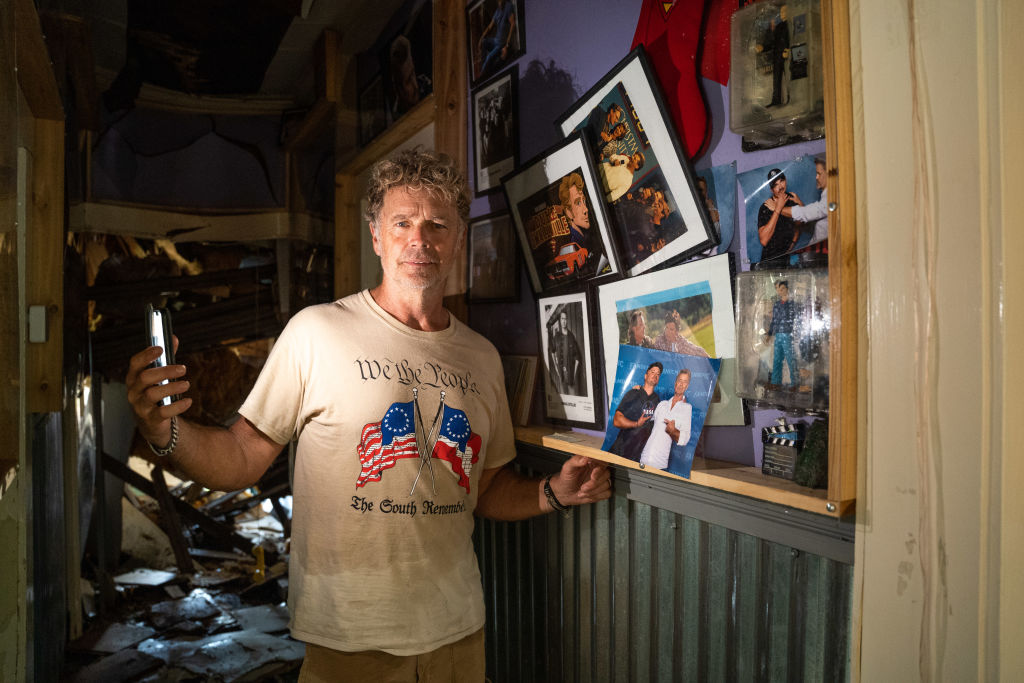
(35, 72)
(44, 259)
(843, 399)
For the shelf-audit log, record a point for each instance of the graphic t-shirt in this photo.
(382, 555)
(630, 441)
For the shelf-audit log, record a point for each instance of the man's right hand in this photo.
(145, 392)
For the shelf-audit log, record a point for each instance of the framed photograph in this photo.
(495, 130)
(571, 382)
(716, 187)
(685, 309)
(559, 218)
(496, 35)
(406, 54)
(373, 117)
(768, 236)
(646, 180)
(493, 259)
(783, 330)
(658, 406)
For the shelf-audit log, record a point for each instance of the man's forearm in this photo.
(215, 457)
(510, 496)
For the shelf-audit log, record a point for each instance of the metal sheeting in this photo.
(622, 591)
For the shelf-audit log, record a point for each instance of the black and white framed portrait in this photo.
(495, 130)
(646, 181)
(493, 259)
(559, 217)
(572, 392)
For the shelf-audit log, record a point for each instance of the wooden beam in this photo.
(313, 124)
(35, 72)
(412, 122)
(452, 121)
(842, 240)
(347, 235)
(325, 56)
(70, 44)
(44, 266)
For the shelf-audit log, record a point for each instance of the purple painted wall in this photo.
(570, 45)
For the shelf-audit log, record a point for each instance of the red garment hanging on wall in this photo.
(671, 33)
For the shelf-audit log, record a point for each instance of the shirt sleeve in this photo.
(683, 424)
(275, 402)
(814, 211)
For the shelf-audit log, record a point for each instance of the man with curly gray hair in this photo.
(403, 433)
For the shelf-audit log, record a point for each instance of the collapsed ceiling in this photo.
(226, 48)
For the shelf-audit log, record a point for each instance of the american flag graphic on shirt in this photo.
(457, 444)
(384, 443)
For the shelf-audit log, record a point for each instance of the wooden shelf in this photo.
(716, 474)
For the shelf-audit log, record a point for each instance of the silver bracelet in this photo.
(169, 448)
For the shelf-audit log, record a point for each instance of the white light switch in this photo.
(37, 331)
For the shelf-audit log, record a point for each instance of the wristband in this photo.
(550, 495)
(169, 448)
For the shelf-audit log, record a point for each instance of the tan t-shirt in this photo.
(373, 567)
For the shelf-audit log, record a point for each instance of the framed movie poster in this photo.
(571, 382)
(493, 260)
(556, 207)
(685, 309)
(646, 180)
(495, 130)
(496, 35)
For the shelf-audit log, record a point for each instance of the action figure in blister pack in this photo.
(782, 329)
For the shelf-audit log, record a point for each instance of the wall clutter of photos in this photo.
(669, 302)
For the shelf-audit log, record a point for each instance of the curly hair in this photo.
(418, 169)
(571, 180)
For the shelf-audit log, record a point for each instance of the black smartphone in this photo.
(158, 333)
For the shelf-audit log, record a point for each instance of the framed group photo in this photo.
(495, 130)
(560, 220)
(571, 381)
(647, 184)
(493, 260)
(496, 35)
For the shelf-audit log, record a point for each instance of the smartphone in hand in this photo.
(158, 333)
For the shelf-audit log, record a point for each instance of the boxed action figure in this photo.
(775, 79)
(782, 333)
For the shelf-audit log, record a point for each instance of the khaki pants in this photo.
(459, 662)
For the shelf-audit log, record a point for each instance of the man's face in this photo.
(635, 161)
(779, 187)
(820, 176)
(783, 13)
(671, 331)
(783, 291)
(563, 321)
(652, 376)
(577, 211)
(639, 329)
(406, 84)
(417, 238)
(614, 114)
(682, 381)
(702, 188)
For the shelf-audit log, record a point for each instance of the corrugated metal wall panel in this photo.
(622, 591)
